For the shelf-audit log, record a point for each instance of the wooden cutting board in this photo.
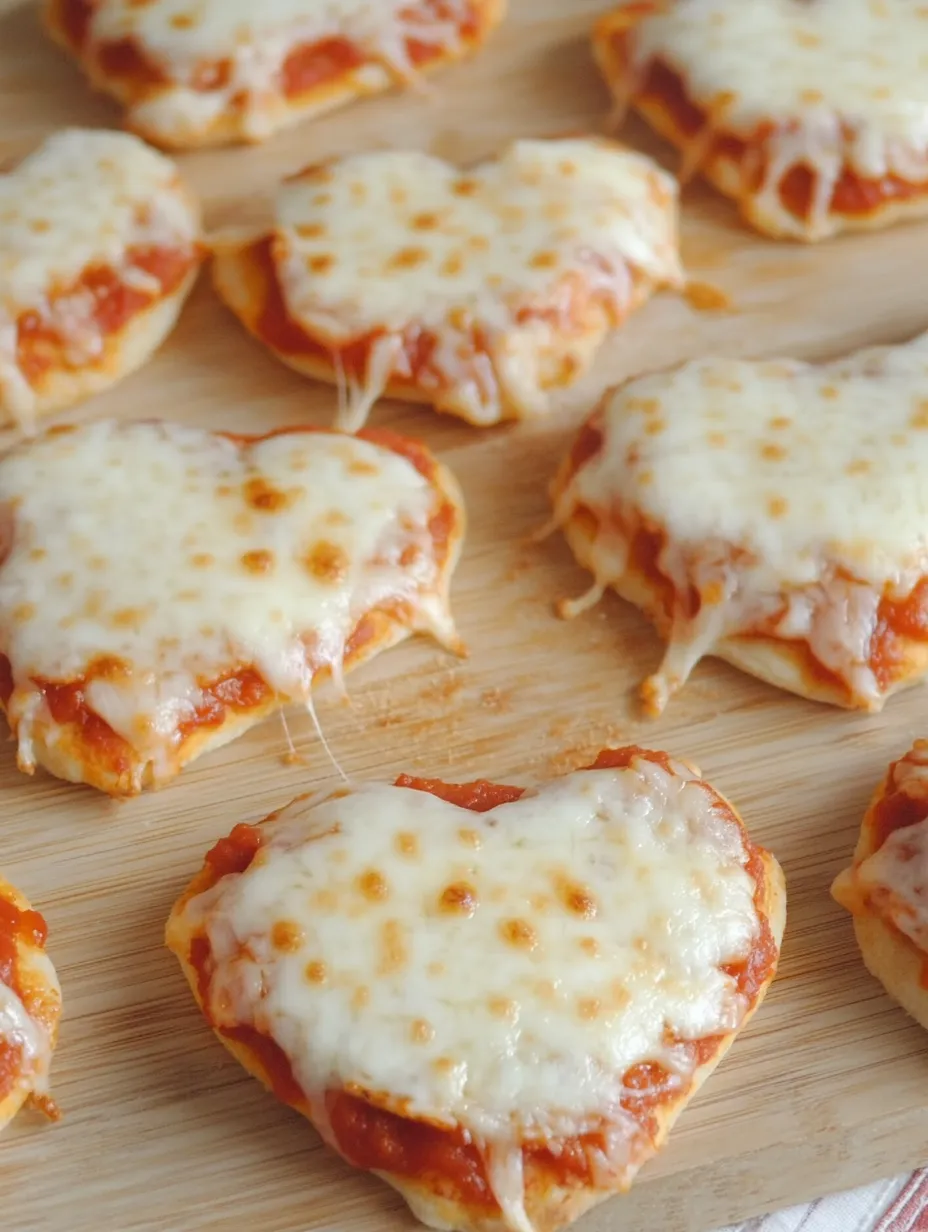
(162, 1130)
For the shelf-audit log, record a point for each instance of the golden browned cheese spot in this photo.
(310, 230)
(712, 593)
(577, 898)
(65, 580)
(37, 553)
(444, 1065)
(716, 439)
(641, 944)
(326, 900)
(539, 903)
(590, 946)
(647, 406)
(128, 617)
(777, 506)
(321, 263)
(470, 838)
(261, 560)
(920, 415)
(899, 439)
(373, 886)
(503, 1007)
(202, 560)
(40, 226)
(858, 466)
(408, 258)
(435, 969)
(406, 844)
(811, 96)
(327, 562)
(779, 423)
(588, 1008)
(361, 998)
(427, 221)
(830, 392)
(518, 933)
(335, 517)
(546, 990)
(421, 1032)
(479, 243)
(459, 898)
(566, 167)
(452, 266)
(393, 953)
(465, 187)
(645, 479)
(773, 453)
(360, 466)
(263, 496)
(654, 427)
(805, 38)
(543, 260)
(23, 612)
(619, 995)
(286, 936)
(316, 972)
(182, 21)
(190, 595)
(359, 190)
(705, 298)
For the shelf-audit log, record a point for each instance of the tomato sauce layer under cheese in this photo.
(483, 987)
(94, 229)
(185, 64)
(483, 291)
(772, 500)
(29, 1003)
(820, 108)
(892, 878)
(158, 579)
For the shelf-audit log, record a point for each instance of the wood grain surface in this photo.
(162, 1130)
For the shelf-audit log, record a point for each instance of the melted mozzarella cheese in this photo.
(186, 556)
(499, 972)
(82, 200)
(253, 43)
(537, 254)
(842, 81)
(791, 495)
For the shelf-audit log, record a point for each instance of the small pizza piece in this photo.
(811, 114)
(30, 1006)
(497, 999)
(207, 72)
(483, 292)
(771, 513)
(164, 588)
(99, 247)
(886, 887)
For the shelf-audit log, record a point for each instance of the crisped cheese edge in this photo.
(573, 232)
(258, 547)
(81, 200)
(254, 44)
(339, 943)
(787, 492)
(843, 85)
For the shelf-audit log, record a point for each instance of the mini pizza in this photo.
(811, 114)
(497, 999)
(205, 72)
(30, 1006)
(164, 588)
(99, 246)
(482, 293)
(771, 513)
(886, 887)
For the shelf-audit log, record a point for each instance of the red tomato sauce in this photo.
(853, 194)
(17, 926)
(448, 1160)
(895, 811)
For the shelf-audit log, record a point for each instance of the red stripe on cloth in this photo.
(910, 1203)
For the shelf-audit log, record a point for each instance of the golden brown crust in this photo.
(720, 167)
(42, 994)
(549, 1206)
(241, 280)
(784, 664)
(890, 956)
(232, 125)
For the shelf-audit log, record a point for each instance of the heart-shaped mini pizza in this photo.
(497, 999)
(202, 72)
(886, 887)
(99, 247)
(771, 513)
(812, 114)
(480, 292)
(163, 588)
(30, 1006)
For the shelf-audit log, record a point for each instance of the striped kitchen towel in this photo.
(899, 1205)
